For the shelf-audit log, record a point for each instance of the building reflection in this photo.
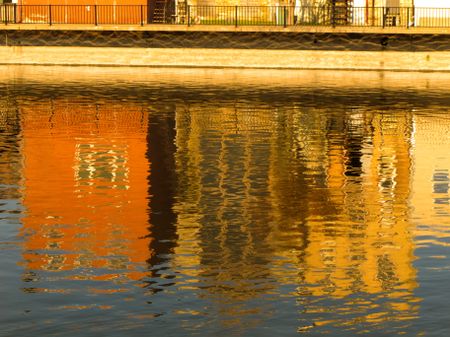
(240, 200)
(162, 187)
(431, 177)
(358, 234)
(358, 220)
(85, 189)
(323, 190)
(221, 183)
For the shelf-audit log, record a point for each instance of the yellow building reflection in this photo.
(431, 178)
(85, 188)
(327, 192)
(222, 212)
(363, 241)
(353, 220)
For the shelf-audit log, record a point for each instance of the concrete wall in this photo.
(261, 48)
(232, 58)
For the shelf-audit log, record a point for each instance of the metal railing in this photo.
(226, 15)
(74, 14)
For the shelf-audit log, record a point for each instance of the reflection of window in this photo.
(393, 9)
(102, 165)
(441, 186)
(387, 171)
(55, 262)
(386, 272)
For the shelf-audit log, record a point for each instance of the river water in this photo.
(175, 202)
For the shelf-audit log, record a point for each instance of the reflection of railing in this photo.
(228, 15)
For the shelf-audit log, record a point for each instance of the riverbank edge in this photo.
(438, 61)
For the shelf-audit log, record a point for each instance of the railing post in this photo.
(142, 15)
(284, 17)
(188, 8)
(333, 14)
(236, 17)
(5, 9)
(407, 18)
(384, 16)
(15, 13)
(95, 15)
(50, 15)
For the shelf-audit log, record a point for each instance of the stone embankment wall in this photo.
(334, 49)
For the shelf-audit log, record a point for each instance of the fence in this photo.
(226, 15)
(74, 14)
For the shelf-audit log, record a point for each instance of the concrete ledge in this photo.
(227, 58)
(231, 28)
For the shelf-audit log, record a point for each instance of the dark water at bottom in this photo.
(223, 202)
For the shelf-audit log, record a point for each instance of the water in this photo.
(172, 202)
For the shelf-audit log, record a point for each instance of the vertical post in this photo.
(50, 15)
(372, 11)
(95, 15)
(142, 15)
(384, 17)
(236, 16)
(188, 8)
(15, 13)
(5, 9)
(407, 18)
(333, 14)
(284, 16)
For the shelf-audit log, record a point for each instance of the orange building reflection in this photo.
(85, 188)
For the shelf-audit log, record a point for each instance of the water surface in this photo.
(172, 202)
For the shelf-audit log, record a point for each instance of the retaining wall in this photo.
(265, 48)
